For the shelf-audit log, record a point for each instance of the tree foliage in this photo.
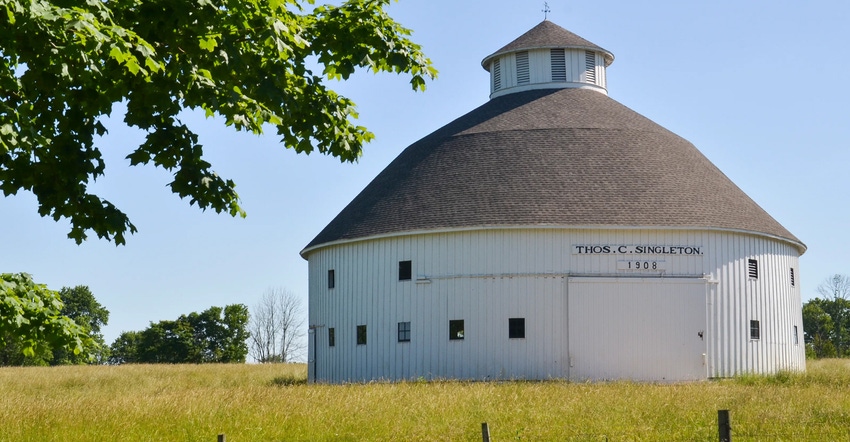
(32, 325)
(80, 305)
(64, 64)
(277, 327)
(214, 335)
(125, 348)
(826, 321)
(818, 329)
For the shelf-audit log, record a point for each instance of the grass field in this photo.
(273, 402)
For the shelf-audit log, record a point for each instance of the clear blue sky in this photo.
(760, 87)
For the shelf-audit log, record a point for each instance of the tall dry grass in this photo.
(272, 402)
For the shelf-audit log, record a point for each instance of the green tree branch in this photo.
(63, 64)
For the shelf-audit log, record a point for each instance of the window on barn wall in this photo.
(331, 337)
(361, 335)
(755, 330)
(331, 279)
(456, 329)
(753, 268)
(404, 331)
(516, 328)
(792, 277)
(796, 336)
(405, 270)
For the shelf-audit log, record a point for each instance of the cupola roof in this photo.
(548, 35)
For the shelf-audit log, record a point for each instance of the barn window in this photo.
(456, 329)
(405, 270)
(516, 328)
(522, 67)
(796, 336)
(361, 335)
(755, 330)
(404, 332)
(753, 268)
(331, 337)
(331, 279)
(792, 277)
(559, 65)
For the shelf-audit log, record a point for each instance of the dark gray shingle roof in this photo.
(547, 35)
(568, 157)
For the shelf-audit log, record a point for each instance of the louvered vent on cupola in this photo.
(497, 74)
(522, 76)
(590, 66)
(559, 65)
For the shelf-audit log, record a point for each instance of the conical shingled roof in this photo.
(544, 36)
(571, 158)
(566, 158)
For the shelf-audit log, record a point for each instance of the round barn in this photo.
(552, 233)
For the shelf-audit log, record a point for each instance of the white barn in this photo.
(552, 233)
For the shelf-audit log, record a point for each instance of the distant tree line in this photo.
(272, 333)
(826, 319)
(214, 335)
(39, 326)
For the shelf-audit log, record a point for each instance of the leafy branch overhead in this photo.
(64, 64)
(31, 320)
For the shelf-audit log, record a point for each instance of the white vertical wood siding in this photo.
(540, 72)
(485, 277)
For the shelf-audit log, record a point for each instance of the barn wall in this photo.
(485, 277)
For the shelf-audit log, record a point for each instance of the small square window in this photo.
(753, 268)
(755, 331)
(516, 328)
(331, 337)
(331, 279)
(405, 270)
(404, 332)
(361, 335)
(456, 329)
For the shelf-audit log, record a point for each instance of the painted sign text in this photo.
(636, 250)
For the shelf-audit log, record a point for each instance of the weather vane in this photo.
(546, 10)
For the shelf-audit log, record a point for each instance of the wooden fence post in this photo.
(485, 432)
(724, 429)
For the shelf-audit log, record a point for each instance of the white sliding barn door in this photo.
(647, 329)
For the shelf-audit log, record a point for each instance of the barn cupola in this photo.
(547, 57)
